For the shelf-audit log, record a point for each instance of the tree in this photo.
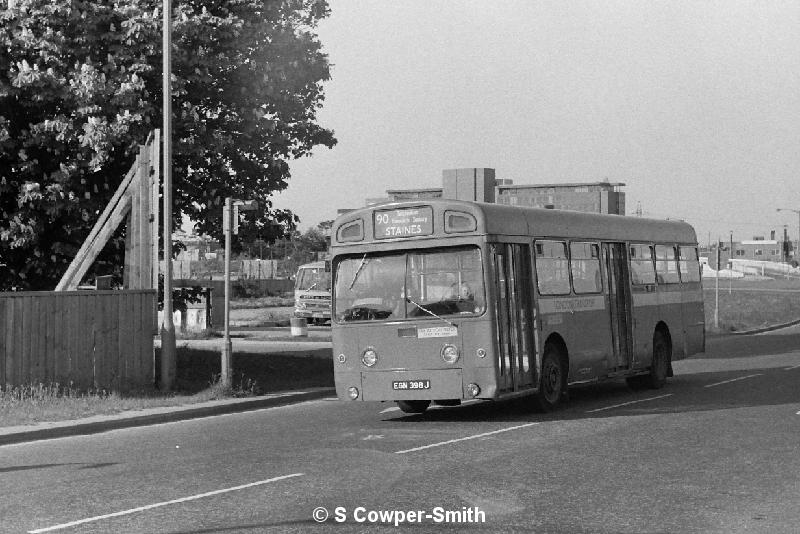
(80, 88)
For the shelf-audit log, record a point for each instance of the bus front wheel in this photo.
(553, 380)
(414, 406)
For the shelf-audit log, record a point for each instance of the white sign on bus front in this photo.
(403, 222)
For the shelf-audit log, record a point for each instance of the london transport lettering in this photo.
(403, 223)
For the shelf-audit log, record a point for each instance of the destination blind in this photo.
(407, 222)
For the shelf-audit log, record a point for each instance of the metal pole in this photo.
(716, 292)
(227, 348)
(167, 326)
(730, 274)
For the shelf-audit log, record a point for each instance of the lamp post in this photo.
(798, 228)
(230, 225)
(167, 326)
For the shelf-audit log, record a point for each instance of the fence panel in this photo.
(100, 339)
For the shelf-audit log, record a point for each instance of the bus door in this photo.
(619, 304)
(512, 281)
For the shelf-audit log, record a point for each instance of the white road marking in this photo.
(731, 380)
(476, 436)
(792, 367)
(628, 403)
(392, 409)
(157, 505)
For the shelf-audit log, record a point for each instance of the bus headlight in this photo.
(473, 390)
(352, 392)
(369, 357)
(450, 353)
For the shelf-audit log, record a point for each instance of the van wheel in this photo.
(553, 381)
(661, 357)
(414, 406)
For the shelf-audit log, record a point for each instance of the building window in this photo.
(759, 252)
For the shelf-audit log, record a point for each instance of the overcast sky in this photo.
(695, 106)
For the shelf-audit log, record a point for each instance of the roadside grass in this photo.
(197, 380)
(751, 305)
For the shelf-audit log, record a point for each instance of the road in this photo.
(714, 451)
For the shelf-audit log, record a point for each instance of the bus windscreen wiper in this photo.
(409, 299)
(358, 271)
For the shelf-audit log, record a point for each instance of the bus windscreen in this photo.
(410, 284)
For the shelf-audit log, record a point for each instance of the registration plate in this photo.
(411, 384)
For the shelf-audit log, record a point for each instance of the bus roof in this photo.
(499, 219)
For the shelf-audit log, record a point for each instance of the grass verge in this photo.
(196, 380)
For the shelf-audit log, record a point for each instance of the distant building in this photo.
(593, 197)
(758, 249)
(480, 184)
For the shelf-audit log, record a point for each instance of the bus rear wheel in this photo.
(661, 357)
(553, 380)
(414, 406)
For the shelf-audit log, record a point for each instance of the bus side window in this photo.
(642, 271)
(689, 264)
(666, 265)
(552, 267)
(585, 267)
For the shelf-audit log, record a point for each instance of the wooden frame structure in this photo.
(135, 200)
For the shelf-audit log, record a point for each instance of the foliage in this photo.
(80, 88)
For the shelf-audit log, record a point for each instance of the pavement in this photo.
(264, 340)
(152, 416)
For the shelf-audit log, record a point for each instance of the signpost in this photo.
(230, 224)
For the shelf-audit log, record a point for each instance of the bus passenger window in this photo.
(689, 264)
(585, 267)
(666, 265)
(552, 269)
(642, 265)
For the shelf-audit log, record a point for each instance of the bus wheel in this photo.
(552, 384)
(414, 406)
(661, 356)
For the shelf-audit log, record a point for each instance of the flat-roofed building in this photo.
(479, 184)
(593, 197)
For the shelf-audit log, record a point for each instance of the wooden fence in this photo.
(101, 339)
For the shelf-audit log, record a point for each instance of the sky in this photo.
(695, 106)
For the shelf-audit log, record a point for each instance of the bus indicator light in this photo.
(474, 390)
(481, 353)
(450, 353)
(342, 358)
(369, 357)
(352, 392)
